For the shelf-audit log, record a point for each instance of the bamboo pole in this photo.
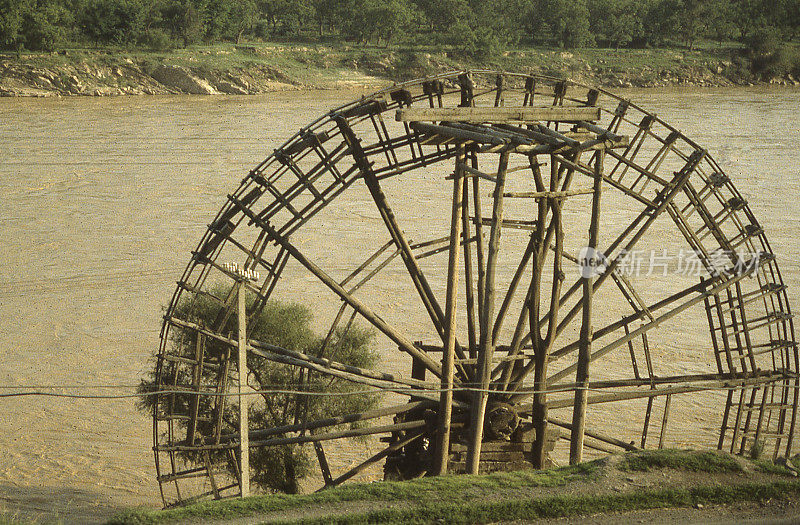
(594, 434)
(648, 217)
(309, 438)
(404, 343)
(484, 367)
(480, 261)
(468, 274)
(244, 418)
(652, 324)
(541, 344)
(664, 421)
(721, 384)
(323, 464)
(446, 398)
(585, 349)
(374, 459)
(261, 434)
(317, 363)
(412, 266)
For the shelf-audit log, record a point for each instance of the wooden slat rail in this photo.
(500, 114)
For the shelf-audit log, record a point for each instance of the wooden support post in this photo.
(479, 258)
(468, 274)
(446, 399)
(585, 348)
(486, 347)
(540, 346)
(664, 421)
(323, 464)
(374, 459)
(244, 420)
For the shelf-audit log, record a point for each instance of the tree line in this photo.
(472, 26)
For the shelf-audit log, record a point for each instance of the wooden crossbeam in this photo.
(500, 114)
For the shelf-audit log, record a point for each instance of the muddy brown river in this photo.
(102, 202)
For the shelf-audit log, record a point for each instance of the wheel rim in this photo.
(719, 341)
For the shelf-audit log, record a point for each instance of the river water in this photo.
(102, 201)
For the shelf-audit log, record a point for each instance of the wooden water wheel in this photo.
(549, 269)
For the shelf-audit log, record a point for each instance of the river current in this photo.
(102, 202)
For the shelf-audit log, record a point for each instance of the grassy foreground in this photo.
(524, 495)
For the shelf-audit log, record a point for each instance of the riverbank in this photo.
(261, 68)
(712, 483)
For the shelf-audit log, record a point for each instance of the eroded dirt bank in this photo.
(240, 70)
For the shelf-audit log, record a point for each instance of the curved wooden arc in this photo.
(517, 336)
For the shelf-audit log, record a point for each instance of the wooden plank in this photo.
(309, 438)
(500, 114)
(549, 194)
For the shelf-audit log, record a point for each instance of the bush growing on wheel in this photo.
(282, 324)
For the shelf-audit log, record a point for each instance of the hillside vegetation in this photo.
(752, 39)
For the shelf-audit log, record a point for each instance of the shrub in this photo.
(156, 40)
(287, 325)
(770, 57)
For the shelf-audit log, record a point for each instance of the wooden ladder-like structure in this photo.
(519, 341)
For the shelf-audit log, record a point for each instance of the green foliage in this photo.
(183, 22)
(771, 467)
(426, 491)
(229, 19)
(680, 460)
(286, 325)
(463, 499)
(465, 28)
(11, 16)
(615, 22)
(565, 21)
(37, 25)
(378, 20)
(769, 56)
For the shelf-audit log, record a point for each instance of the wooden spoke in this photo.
(487, 371)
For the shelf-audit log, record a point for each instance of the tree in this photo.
(326, 13)
(749, 15)
(503, 19)
(229, 19)
(114, 21)
(12, 13)
(442, 15)
(182, 20)
(684, 20)
(567, 21)
(286, 17)
(274, 469)
(615, 22)
(44, 25)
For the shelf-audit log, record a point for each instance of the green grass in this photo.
(561, 506)
(499, 497)
(693, 461)
(770, 467)
(426, 491)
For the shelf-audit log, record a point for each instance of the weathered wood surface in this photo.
(662, 174)
(527, 114)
